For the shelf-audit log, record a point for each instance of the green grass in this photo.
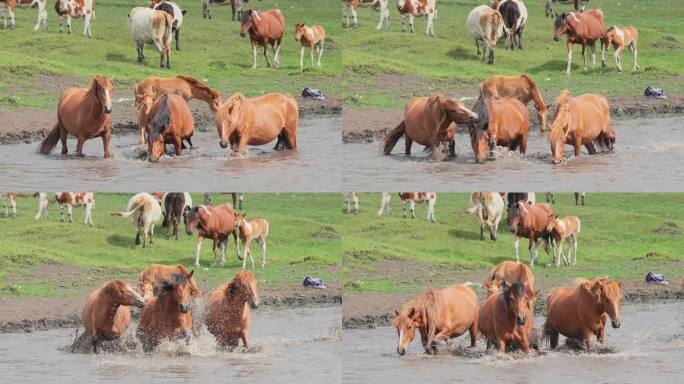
(448, 62)
(303, 240)
(211, 50)
(622, 236)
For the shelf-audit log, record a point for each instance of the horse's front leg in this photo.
(61, 24)
(584, 56)
(411, 22)
(567, 70)
(178, 144)
(198, 247)
(618, 61)
(403, 22)
(86, 25)
(531, 247)
(516, 244)
(106, 137)
(311, 51)
(633, 48)
(301, 58)
(254, 55)
(593, 55)
(79, 145)
(268, 63)
(68, 24)
(276, 58)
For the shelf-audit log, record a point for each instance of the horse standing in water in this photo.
(521, 87)
(503, 122)
(227, 314)
(264, 28)
(156, 274)
(84, 113)
(170, 122)
(583, 120)
(506, 318)
(581, 28)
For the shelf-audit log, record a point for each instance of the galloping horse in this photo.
(427, 121)
(506, 318)
(10, 5)
(264, 28)
(84, 113)
(582, 28)
(167, 316)
(582, 312)
(521, 87)
(243, 121)
(311, 37)
(217, 223)
(170, 122)
(227, 311)
(581, 120)
(503, 122)
(438, 314)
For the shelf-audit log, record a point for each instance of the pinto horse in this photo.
(167, 316)
(581, 28)
(582, 312)
(521, 87)
(84, 113)
(531, 221)
(227, 311)
(10, 5)
(437, 314)
(253, 230)
(506, 318)
(156, 274)
(106, 315)
(243, 121)
(503, 122)
(583, 120)
(620, 38)
(311, 37)
(170, 122)
(417, 8)
(427, 121)
(264, 28)
(217, 223)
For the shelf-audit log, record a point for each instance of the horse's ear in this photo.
(621, 283)
(184, 11)
(412, 312)
(505, 289)
(190, 274)
(396, 312)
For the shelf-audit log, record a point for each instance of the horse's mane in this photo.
(199, 84)
(175, 280)
(430, 305)
(516, 287)
(162, 117)
(534, 92)
(562, 116)
(241, 278)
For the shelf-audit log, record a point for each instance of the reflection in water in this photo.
(314, 167)
(649, 156)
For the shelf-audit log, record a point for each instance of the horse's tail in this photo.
(162, 117)
(473, 209)
(50, 141)
(392, 137)
(133, 209)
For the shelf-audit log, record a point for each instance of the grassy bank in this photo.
(385, 68)
(622, 236)
(33, 64)
(53, 259)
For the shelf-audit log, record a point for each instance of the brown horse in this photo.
(427, 121)
(243, 121)
(581, 120)
(216, 223)
(438, 314)
(521, 87)
(508, 272)
(84, 113)
(167, 316)
(581, 28)
(151, 88)
(227, 311)
(264, 28)
(582, 312)
(156, 274)
(503, 122)
(506, 318)
(531, 221)
(620, 38)
(106, 314)
(170, 122)
(311, 37)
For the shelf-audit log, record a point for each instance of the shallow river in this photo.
(314, 167)
(647, 348)
(290, 346)
(649, 156)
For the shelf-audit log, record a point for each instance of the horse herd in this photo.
(164, 116)
(527, 219)
(500, 118)
(505, 319)
(162, 20)
(167, 295)
(507, 19)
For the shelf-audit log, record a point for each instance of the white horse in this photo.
(488, 207)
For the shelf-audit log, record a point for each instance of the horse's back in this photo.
(463, 298)
(182, 116)
(419, 121)
(589, 108)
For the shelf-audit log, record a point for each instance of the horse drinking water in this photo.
(170, 121)
(503, 122)
(521, 87)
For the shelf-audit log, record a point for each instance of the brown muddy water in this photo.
(289, 346)
(649, 156)
(314, 167)
(647, 348)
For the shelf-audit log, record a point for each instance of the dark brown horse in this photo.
(170, 122)
(264, 28)
(503, 122)
(217, 223)
(584, 28)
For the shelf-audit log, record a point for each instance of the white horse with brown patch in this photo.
(620, 38)
(561, 229)
(488, 207)
(144, 211)
(9, 200)
(349, 10)
(411, 198)
(75, 9)
(146, 25)
(7, 8)
(417, 8)
(310, 37)
(254, 230)
(485, 25)
(69, 200)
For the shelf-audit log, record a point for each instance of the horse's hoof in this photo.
(12, 27)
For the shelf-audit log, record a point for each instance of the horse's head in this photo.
(457, 112)
(608, 295)
(178, 287)
(146, 287)
(247, 21)
(121, 293)
(240, 220)
(554, 223)
(300, 30)
(228, 118)
(156, 146)
(478, 127)
(102, 88)
(406, 322)
(244, 284)
(560, 126)
(192, 219)
(560, 26)
(517, 297)
(516, 213)
(491, 287)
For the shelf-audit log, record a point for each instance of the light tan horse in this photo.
(521, 87)
(151, 88)
(84, 113)
(581, 120)
(438, 314)
(427, 121)
(509, 272)
(253, 230)
(310, 37)
(561, 229)
(243, 121)
(156, 274)
(620, 38)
